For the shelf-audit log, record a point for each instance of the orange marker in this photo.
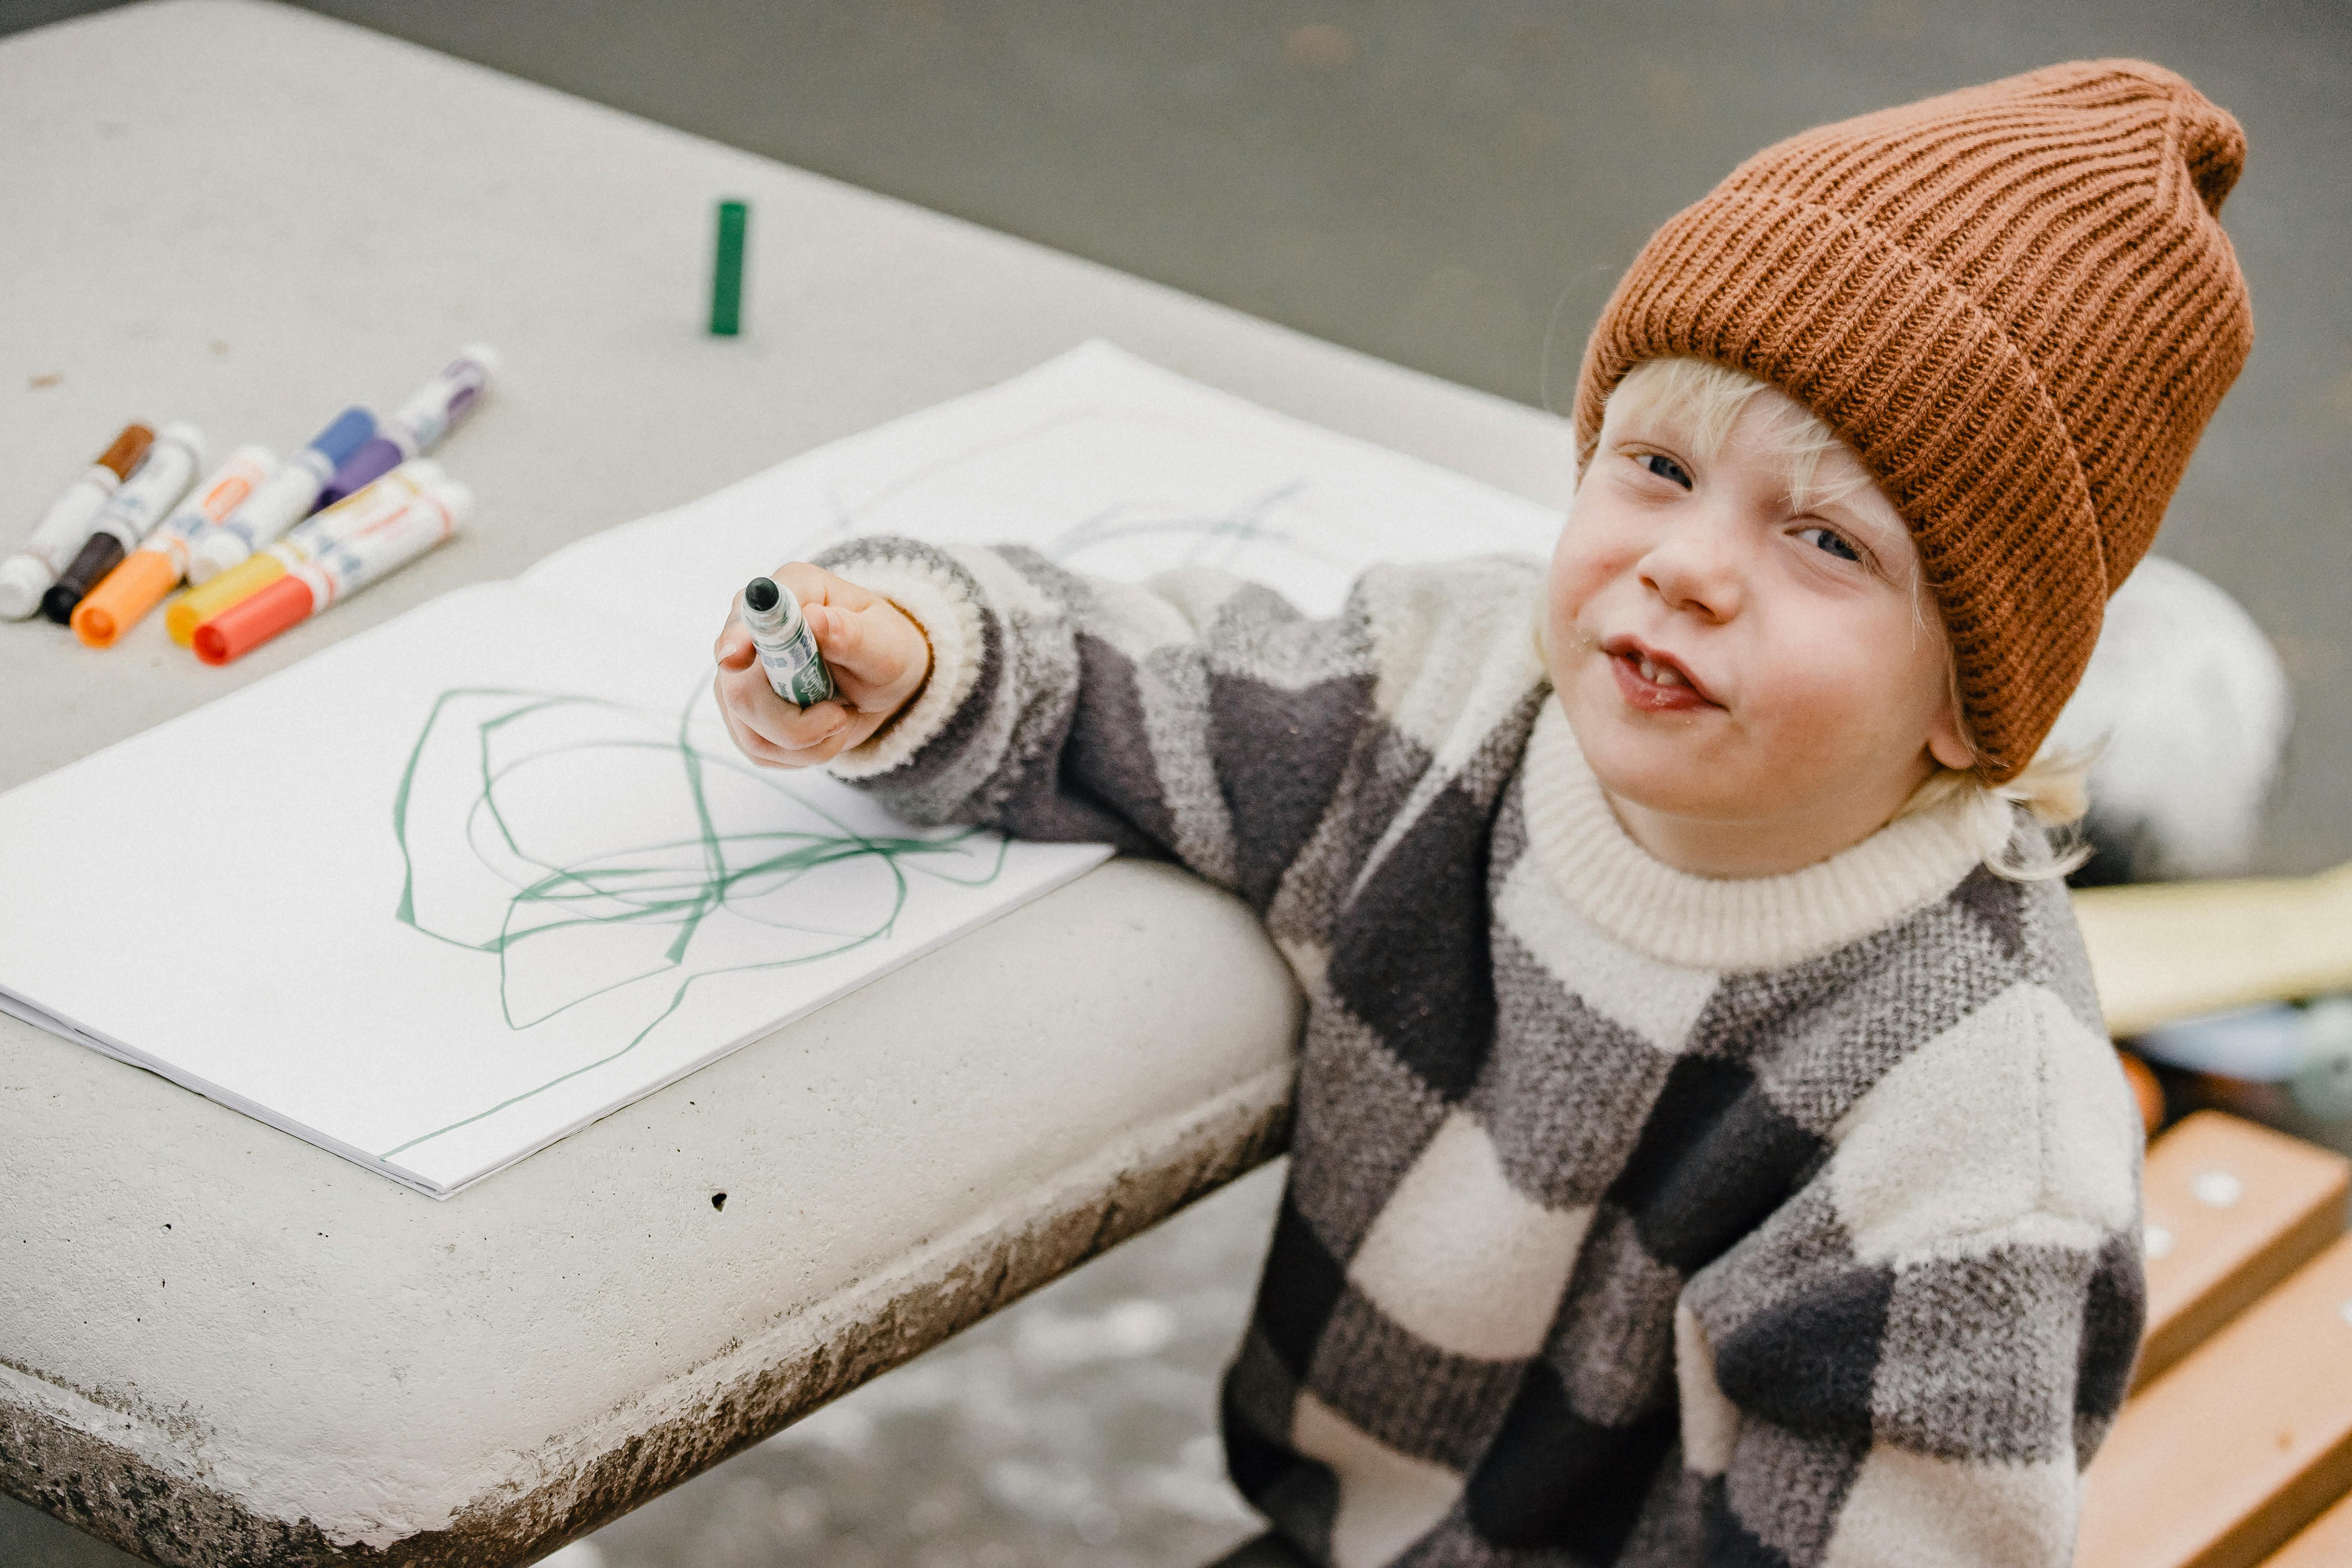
(152, 571)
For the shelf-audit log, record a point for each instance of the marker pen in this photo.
(26, 575)
(796, 673)
(288, 497)
(339, 571)
(378, 505)
(155, 568)
(417, 426)
(145, 501)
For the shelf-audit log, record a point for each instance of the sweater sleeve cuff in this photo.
(950, 622)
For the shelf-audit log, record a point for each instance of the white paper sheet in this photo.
(455, 887)
(1105, 462)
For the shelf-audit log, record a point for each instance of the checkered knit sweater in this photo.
(1632, 1218)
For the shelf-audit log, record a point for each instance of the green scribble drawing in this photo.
(511, 846)
(1213, 539)
(1183, 537)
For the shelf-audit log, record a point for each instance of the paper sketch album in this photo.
(461, 884)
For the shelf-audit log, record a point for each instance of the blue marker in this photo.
(283, 500)
(417, 426)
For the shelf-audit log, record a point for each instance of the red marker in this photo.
(335, 573)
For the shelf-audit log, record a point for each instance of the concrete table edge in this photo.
(51, 1456)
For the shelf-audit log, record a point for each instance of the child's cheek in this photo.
(1581, 564)
(1821, 693)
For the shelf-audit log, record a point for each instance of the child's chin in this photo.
(1665, 773)
(1680, 771)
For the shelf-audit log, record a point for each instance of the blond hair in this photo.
(1701, 402)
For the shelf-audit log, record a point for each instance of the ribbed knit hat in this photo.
(2017, 304)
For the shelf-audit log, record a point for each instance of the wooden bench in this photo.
(2325, 1543)
(2239, 1431)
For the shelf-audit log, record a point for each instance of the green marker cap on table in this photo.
(727, 270)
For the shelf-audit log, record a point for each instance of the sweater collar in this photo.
(1705, 922)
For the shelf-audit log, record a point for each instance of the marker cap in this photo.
(22, 581)
(197, 605)
(181, 433)
(456, 496)
(377, 457)
(350, 430)
(128, 449)
(250, 622)
(100, 553)
(126, 594)
(214, 554)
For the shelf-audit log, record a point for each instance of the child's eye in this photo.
(1665, 468)
(1832, 541)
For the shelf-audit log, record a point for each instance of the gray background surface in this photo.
(1455, 187)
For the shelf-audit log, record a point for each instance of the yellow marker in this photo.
(197, 605)
(349, 518)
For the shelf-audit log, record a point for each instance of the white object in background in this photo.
(2308, 1048)
(2188, 704)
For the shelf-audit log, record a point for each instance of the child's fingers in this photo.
(805, 729)
(852, 648)
(750, 704)
(781, 724)
(760, 751)
(878, 653)
(733, 650)
(760, 748)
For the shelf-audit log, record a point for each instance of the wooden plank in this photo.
(2232, 1209)
(2162, 950)
(2222, 1459)
(2325, 1543)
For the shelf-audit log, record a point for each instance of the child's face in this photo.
(1756, 684)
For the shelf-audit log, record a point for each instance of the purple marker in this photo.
(417, 426)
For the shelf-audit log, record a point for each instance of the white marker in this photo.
(126, 594)
(246, 471)
(26, 575)
(384, 503)
(337, 572)
(145, 499)
(417, 426)
(284, 501)
(796, 671)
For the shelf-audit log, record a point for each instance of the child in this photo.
(1706, 1147)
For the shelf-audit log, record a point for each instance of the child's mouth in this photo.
(1654, 685)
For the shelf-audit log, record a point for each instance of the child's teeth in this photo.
(1667, 676)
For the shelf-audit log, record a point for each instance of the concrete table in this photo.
(221, 1345)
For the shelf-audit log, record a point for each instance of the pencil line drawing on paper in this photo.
(1119, 536)
(606, 861)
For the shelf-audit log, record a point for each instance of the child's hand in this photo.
(879, 659)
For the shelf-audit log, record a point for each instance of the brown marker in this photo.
(26, 575)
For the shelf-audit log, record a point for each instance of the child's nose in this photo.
(1694, 570)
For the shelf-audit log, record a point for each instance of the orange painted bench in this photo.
(2239, 1433)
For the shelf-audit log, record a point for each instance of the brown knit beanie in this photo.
(2015, 302)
